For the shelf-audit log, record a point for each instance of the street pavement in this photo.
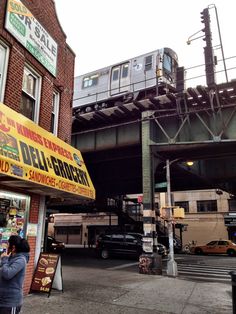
(92, 288)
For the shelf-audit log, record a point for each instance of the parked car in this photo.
(177, 245)
(216, 247)
(54, 245)
(165, 241)
(123, 244)
(162, 250)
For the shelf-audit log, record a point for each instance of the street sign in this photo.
(230, 220)
(161, 185)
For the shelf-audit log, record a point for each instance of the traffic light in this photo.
(205, 17)
(209, 66)
(208, 50)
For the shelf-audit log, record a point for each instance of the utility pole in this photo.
(208, 50)
(221, 44)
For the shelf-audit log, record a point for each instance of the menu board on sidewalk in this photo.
(47, 271)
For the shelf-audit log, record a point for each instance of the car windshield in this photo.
(212, 243)
(224, 243)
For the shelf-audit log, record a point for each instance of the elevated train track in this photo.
(197, 124)
(191, 101)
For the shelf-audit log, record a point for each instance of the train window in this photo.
(125, 69)
(148, 63)
(167, 63)
(115, 74)
(90, 81)
(85, 82)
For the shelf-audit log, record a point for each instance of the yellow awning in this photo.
(36, 160)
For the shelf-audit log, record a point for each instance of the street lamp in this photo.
(171, 264)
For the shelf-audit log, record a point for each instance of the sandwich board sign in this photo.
(48, 274)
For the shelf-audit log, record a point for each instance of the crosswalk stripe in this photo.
(193, 271)
(122, 266)
(226, 280)
(202, 276)
(208, 266)
(210, 270)
(204, 272)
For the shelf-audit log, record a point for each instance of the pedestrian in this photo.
(12, 273)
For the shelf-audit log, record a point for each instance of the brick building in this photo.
(36, 81)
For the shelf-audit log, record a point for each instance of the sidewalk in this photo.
(91, 290)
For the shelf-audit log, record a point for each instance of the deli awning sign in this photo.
(30, 153)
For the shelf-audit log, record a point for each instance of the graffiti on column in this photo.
(145, 264)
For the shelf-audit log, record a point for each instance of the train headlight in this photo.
(159, 72)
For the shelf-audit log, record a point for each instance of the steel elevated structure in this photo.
(120, 143)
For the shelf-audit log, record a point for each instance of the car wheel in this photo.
(198, 251)
(104, 254)
(231, 252)
(186, 249)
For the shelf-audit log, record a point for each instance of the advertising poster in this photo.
(44, 275)
(31, 34)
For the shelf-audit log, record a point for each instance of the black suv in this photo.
(54, 245)
(125, 244)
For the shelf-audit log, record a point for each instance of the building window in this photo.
(232, 205)
(90, 81)
(55, 113)
(61, 230)
(4, 53)
(148, 63)
(29, 106)
(74, 230)
(206, 206)
(183, 204)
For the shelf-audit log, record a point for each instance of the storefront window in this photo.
(13, 216)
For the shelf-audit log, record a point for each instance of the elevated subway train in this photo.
(150, 74)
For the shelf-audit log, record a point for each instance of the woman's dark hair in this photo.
(20, 244)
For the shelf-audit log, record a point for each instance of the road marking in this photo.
(207, 279)
(204, 269)
(123, 266)
(205, 273)
(193, 271)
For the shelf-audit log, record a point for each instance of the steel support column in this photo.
(150, 261)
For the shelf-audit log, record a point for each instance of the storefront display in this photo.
(13, 216)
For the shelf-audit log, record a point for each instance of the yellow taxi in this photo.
(216, 247)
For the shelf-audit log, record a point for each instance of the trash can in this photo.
(233, 281)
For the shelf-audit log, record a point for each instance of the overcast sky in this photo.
(104, 32)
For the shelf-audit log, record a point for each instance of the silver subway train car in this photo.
(150, 74)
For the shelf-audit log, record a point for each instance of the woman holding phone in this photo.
(12, 273)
